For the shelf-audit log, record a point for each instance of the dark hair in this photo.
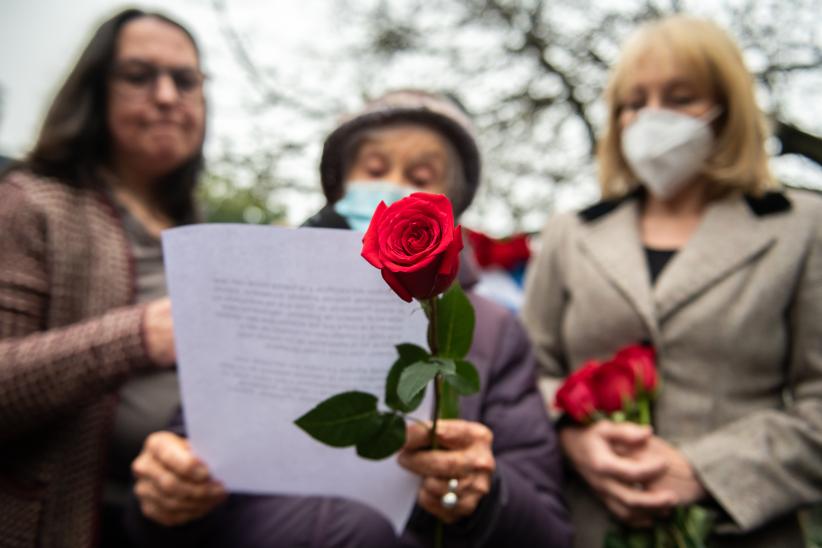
(74, 139)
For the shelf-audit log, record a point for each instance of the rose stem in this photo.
(432, 345)
(644, 410)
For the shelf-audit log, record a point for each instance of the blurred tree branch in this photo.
(532, 74)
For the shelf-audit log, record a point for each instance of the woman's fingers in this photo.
(438, 463)
(456, 434)
(417, 436)
(629, 470)
(624, 433)
(638, 499)
(476, 483)
(466, 450)
(175, 454)
(466, 456)
(173, 485)
(451, 434)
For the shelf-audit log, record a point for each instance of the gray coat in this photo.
(736, 319)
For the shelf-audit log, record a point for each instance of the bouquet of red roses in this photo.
(623, 389)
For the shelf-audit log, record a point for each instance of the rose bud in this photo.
(642, 361)
(575, 396)
(613, 384)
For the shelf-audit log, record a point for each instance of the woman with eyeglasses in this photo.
(86, 340)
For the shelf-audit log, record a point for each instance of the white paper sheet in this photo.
(268, 322)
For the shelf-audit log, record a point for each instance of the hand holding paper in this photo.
(269, 321)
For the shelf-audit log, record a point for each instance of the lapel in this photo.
(612, 243)
(728, 237)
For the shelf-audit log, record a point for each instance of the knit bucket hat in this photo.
(433, 110)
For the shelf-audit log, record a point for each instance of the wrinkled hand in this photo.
(173, 485)
(465, 454)
(615, 460)
(679, 478)
(158, 329)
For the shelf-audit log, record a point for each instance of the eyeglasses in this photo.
(138, 80)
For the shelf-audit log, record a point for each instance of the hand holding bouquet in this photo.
(622, 389)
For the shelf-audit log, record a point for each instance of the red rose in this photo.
(613, 383)
(575, 396)
(415, 245)
(507, 253)
(642, 361)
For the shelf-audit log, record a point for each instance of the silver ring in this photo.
(449, 500)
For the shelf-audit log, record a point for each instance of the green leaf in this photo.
(698, 522)
(446, 366)
(386, 441)
(408, 354)
(449, 402)
(465, 379)
(342, 420)
(455, 323)
(414, 379)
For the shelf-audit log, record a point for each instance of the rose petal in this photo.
(371, 247)
(452, 254)
(394, 283)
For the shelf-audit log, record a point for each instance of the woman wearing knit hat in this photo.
(502, 455)
(405, 141)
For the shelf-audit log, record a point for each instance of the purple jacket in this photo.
(524, 508)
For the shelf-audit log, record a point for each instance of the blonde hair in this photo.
(739, 160)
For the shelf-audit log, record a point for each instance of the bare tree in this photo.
(532, 71)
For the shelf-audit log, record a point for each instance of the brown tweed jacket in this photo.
(68, 337)
(736, 319)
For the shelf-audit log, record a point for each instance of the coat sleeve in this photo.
(45, 373)
(525, 506)
(768, 463)
(544, 306)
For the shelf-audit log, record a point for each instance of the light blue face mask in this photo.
(362, 198)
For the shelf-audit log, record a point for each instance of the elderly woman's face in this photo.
(659, 82)
(410, 156)
(156, 110)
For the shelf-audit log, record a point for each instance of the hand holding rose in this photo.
(466, 455)
(679, 477)
(638, 476)
(613, 460)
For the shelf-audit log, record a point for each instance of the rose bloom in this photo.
(613, 383)
(575, 396)
(415, 245)
(642, 361)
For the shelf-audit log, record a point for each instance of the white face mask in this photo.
(666, 148)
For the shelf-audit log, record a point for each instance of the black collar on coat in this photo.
(768, 204)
